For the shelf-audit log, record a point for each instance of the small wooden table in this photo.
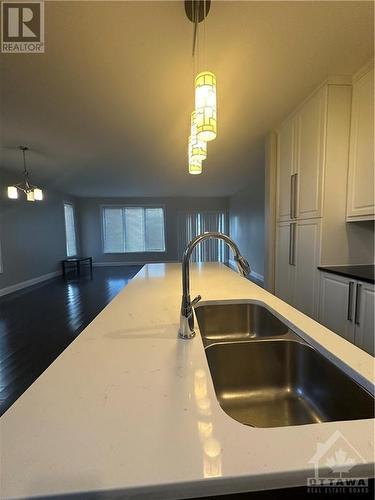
(75, 262)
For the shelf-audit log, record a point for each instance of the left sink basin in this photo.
(237, 321)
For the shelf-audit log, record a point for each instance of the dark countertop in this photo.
(358, 272)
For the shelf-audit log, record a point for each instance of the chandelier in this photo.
(33, 193)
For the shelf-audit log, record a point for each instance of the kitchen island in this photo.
(128, 410)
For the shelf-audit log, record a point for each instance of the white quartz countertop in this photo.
(128, 410)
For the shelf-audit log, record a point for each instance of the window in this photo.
(193, 223)
(133, 229)
(70, 230)
(1, 261)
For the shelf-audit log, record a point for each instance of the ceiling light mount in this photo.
(197, 10)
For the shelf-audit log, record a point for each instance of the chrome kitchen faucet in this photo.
(186, 330)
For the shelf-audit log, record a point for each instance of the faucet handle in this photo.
(243, 265)
(196, 300)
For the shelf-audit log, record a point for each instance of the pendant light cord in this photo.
(25, 172)
(196, 6)
(24, 161)
(204, 34)
(197, 9)
(195, 33)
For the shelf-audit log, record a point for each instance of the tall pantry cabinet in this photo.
(312, 160)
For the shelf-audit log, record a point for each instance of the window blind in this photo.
(133, 229)
(193, 223)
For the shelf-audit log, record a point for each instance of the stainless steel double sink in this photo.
(265, 375)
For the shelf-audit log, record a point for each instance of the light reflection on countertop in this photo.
(210, 445)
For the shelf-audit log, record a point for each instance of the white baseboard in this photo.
(25, 284)
(122, 263)
(253, 274)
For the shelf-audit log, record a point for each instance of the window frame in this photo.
(1, 258)
(130, 205)
(75, 230)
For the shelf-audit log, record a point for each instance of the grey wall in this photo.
(361, 242)
(246, 221)
(32, 235)
(91, 225)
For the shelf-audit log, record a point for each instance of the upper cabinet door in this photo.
(360, 201)
(364, 317)
(310, 134)
(285, 169)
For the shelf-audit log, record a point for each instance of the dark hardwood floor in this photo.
(39, 322)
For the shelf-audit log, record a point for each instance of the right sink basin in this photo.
(277, 383)
(264, 375)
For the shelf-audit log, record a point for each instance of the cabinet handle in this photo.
(295, 196)
(290, 243)
(291, 199)
(350, 301)
(357, 304)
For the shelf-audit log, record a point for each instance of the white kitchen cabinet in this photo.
(312, 162)
(346, 306)
(336, 304)
(285, 169)
(300, 160)
(297, 258)
(284, 279)
(310, 134)
(360, 193)
(305, 258)
(364, 317)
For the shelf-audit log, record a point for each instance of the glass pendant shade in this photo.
(30, 196)
(195, 162)
(198, 148)
(195, 167)
(205, 106)
(38, 194)
(12, 192)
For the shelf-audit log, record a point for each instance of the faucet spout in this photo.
(186, 330)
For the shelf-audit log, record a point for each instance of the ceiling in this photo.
(106, 109)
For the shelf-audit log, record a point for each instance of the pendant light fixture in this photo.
(33, 193)
(203, 127)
